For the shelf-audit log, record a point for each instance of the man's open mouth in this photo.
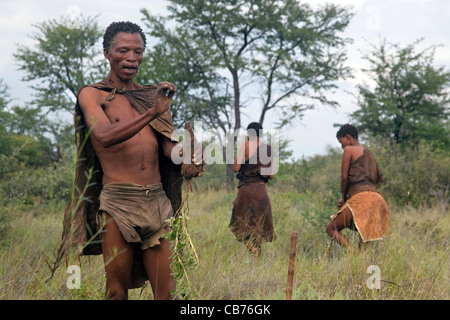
(130, 68)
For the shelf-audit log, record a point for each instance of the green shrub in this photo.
(414, 176)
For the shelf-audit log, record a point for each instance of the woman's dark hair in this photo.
(347, 129)
(254, 129)
(121, 26)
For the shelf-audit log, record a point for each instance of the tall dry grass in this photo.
(413, 261)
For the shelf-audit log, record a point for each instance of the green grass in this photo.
(413, 261)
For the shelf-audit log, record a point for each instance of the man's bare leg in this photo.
(157, 265)
(118, 258)
(334, 227)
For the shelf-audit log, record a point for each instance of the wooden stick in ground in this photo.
(291, 266)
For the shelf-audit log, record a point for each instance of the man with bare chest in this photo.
(129, 127)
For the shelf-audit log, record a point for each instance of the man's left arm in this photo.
(170, 147)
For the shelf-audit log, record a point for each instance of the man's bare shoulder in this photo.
(89, 95)
(89, 91)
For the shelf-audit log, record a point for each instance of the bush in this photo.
(318, 174)
(26, 185)
(24, 150)
(414, 176)
(214, 178)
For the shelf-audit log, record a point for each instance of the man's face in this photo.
(125, 54)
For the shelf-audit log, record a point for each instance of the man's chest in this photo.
(119, 109)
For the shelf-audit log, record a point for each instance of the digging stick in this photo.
(291, 266)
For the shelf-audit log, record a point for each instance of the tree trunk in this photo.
(230, 177)
(229, 174)
(237, 102)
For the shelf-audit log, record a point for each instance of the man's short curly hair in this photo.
(347, 129)
(121, 26)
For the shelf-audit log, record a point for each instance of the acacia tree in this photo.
(279, 56)
(65, 57)
(409, 98)
(19, 145)
(4, 101)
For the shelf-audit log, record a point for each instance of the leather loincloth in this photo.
(140, 212)
(371, 215)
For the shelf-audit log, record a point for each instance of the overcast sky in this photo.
(399, 21)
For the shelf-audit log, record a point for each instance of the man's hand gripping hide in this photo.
(163, 97)
(193, 161)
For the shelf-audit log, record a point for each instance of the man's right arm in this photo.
(106, 133)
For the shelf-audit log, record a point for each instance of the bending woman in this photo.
(361, 207)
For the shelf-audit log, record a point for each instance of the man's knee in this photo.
(164, 293)
(330, 229)
(117, 293)
(117, 280)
